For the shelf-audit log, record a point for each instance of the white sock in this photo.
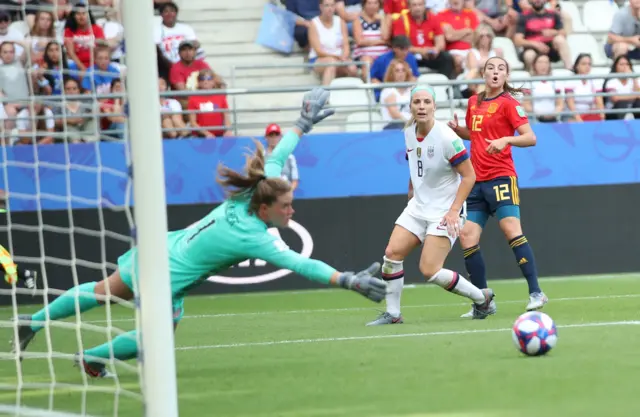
(457, 284)
(393, 273)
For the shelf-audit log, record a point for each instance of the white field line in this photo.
(394, 336)
(353, 309)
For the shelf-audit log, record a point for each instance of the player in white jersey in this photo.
(441, 179)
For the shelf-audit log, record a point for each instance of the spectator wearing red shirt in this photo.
(182, 71)
(207, 107)
(392, 10)
(80, 37)
(458, 25)
(540, 31)
(427, 40)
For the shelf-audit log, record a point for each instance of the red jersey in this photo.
(209, 115)
(464, 19)
(493, 119)
(180, 73)
(421, 35)
(84, 41)
(395, 6)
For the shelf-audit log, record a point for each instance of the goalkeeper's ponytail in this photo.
(253, 183)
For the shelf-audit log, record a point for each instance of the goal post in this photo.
(156, 328)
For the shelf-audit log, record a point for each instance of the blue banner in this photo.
(330, 165)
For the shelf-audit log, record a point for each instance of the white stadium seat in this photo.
(576, 19)
(442, 91)
(519, 75)
(355, 97)
(445, 114)
(364, 121)
(509, 52)
(598, 15)
(21, 26)
(585, 43)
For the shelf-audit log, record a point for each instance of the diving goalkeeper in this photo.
(234, 231)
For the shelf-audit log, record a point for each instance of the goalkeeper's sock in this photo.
(474, 262)
(524, 256)
(457, 284)
(65, 305)
(124, 347)
(393, 274)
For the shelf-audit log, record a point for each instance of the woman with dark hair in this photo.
(581, 97)
(543, 99)
(238, 229)
(80, 36)
(627, 91)
(52, 69)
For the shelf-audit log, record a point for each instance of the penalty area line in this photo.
(396, 336)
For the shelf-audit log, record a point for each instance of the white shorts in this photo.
(462, 53)
(421, 228)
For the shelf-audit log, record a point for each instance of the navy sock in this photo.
(474, 262)
(524, 256)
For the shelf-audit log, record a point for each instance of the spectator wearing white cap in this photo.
(273, 134)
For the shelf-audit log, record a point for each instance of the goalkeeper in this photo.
(233, 232)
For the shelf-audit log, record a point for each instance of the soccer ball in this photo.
(534, 333)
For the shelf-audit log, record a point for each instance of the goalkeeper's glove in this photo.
(365, 283)
(313, 110)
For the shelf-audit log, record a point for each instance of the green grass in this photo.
(307, 354)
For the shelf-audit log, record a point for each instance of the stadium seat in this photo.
(21, 26)
(446, 114)
(509, 52)
(576, 19)
(519, 75)
(598, 15)
(364, 121)
(586, 43)
(443, 93)
(356, 97)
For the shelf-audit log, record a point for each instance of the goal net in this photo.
(65, 176)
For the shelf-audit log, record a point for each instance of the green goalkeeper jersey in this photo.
(228, 235)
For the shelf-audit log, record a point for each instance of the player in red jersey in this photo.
(492, 118)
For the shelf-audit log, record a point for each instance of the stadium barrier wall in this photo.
(573, 230)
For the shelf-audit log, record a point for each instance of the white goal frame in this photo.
(156, 339)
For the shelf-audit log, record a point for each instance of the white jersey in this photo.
(431, 164)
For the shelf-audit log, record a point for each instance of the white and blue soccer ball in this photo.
(534, 333)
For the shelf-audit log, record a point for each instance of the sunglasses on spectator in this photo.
(205, 78)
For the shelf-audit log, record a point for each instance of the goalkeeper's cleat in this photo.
(386, 318)
(25, 334)
(537, 300)
(94, 370)
(481, 311)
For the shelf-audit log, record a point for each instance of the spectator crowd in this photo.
(63, 73)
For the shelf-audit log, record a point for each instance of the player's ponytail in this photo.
(253, 182)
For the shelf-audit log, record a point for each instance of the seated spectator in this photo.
(329, 42)
(490, 13)
(113, 30)
(476, 57)
(208, 108)
(41, 34)
(169, 33)
(393, 9)
(50, 71)
(517, 7)
(427, 41)
(112, 123)
(307, 10)
(371, 35)
(540, 32)
(624, 36)
(184, 73)
(74, 117)
(626, 91)
(101, 74)
(171, 114)
(11, 34)
(543, 99)
(458, 26)
(399, 50)
(580, 93)
(13, 80)
(81, 34)
(394, 101)
(34, 124)
(21, 9)
(273, 134)
(164, 66)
